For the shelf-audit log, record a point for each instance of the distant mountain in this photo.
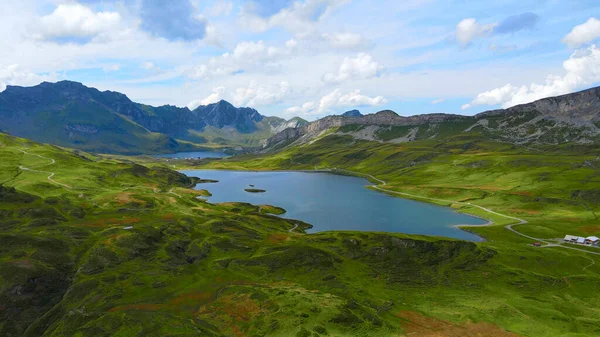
(352, 113)
(70, 114)
(563, 119)
(292, 123)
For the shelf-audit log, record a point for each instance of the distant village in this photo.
(589, 241)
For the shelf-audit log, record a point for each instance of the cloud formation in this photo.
(360, 67)
(221, 8)
(582, 68)
(583, 33)
(246, 54)
(336, 99)
(73, 20)
(469, 29)
(216, 96)
(296, 16)
(260, 95)
(16, 75)
(172, 20)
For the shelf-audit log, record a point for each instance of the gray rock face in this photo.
(224, 114)
(385, 118)
(283, 124)
(582, 106)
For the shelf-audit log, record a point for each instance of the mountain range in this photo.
(568, 118)
(70, 114)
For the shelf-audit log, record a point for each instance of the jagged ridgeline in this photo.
(564, 119)
(71, 114)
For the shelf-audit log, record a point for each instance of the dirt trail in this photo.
(50, 174)
(509, 227)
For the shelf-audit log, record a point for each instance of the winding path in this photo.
(50, 174)
(509, 227)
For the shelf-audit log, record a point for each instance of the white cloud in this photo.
(246, 55)
(16, 75)
(148, 66)
(299, 18)
(469, 29)
(111, 67)
(304, 109)
(291, 44)
(349, 41)
(438, 101)
(212, 37)
(73, 20)
(254, 52)
(336, 99)
(211, 70)
(583, 33)
(360, 67)
(494, 96)
(221, 8)
(257, 95)
(216, 96)
(582, 68)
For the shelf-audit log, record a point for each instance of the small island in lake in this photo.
(254, 190)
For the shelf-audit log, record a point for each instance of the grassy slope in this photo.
(69, 268)
(232, 137)
(554, 189)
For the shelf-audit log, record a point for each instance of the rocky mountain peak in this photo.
(352, 113)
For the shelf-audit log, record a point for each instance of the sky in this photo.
(308, 58)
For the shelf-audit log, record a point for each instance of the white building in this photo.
(571, 238)
(592, 240)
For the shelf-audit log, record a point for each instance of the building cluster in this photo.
(589, 241)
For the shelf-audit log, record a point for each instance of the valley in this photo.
(96, 244)
(299, 168)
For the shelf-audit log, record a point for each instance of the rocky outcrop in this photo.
(384, 118)
(295, 122)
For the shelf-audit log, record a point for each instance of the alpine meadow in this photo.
(299, 168)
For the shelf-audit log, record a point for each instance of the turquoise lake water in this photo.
(197, 154)
(334, 202)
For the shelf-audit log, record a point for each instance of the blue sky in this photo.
(308, 58)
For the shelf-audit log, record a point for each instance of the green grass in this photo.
(69, 266)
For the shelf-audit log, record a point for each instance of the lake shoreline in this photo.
(461, 227)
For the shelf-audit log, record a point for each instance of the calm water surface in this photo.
(334, 202)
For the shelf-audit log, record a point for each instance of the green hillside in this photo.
(113, 248)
